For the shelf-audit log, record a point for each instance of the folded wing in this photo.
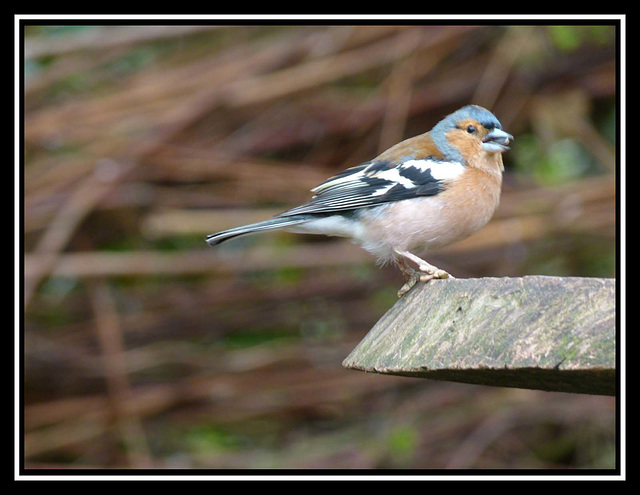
(378, 182)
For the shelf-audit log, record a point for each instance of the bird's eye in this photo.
(471, 129)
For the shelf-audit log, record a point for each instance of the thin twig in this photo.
(109, 331)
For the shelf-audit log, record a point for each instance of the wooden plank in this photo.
(537, 332)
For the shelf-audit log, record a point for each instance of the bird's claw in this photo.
(430, 272)
(424, 273)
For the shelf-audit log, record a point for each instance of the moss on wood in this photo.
(549, 333)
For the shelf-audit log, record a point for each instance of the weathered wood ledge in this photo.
(535, 332)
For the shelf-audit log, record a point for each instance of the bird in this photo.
(424, 193)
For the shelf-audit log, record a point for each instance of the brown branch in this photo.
(73, 212)
(110, 336)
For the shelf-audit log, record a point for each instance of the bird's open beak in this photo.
(497, 140)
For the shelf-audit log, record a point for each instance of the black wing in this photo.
(374, 183)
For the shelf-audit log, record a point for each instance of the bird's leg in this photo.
(409, 273)
(425, 272)
(428, 270)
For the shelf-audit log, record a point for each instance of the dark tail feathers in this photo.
(274, 223)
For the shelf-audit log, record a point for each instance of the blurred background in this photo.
(145, 348)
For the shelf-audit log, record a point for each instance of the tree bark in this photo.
(537, 332)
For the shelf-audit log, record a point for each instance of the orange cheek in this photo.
(467, 144)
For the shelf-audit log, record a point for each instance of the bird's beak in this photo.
(497, 140)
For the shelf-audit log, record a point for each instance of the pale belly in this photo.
(422, 224)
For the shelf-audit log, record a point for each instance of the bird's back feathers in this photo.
(377, 182)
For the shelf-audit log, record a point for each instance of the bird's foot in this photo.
(411, 281)
(429, 272)
(425, 272)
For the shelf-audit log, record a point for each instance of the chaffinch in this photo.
(423, 193)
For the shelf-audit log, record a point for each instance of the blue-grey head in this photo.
(469, 130)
